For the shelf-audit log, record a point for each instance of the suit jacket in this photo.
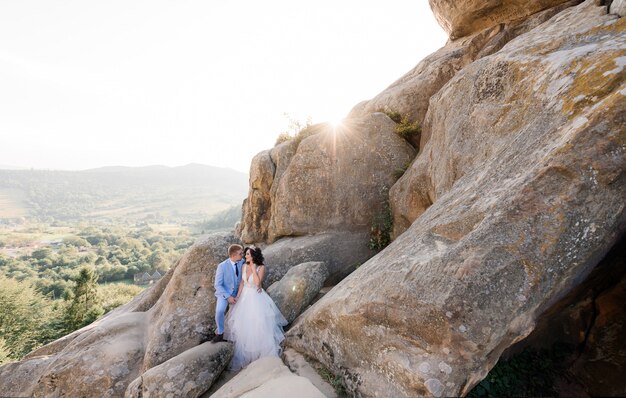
(226, 282)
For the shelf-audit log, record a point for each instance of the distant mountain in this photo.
(179, 194)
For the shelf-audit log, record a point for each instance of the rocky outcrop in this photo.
(462, 18)
(188, 374)
(492, 98)
(295, 291)
(257, 206)
(589, 324)
(335, 180)
(300, 366)
(267, 377)
(342, 252)
(521, 191)
(410, 95)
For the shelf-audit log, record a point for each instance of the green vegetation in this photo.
(282, 137)
(54, 280)
(225, 219)
(72, 242)
(393, 115)
(27, 319)
(296, 129)
(380, 231)
(531, 373)
(399, 172)
(329, 377)
(155, 194)
(116, 253)
(405, 128)
(85, 303)
(408, 130)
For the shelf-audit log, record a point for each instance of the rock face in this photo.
(333, 181)
(462, 18)
(342, 252)
(591, 320)
(256, 208)
(267, 377)
(188, 374)
(106, 356)
(618, 7)
(410, 95)
(298, 288)
(521, 190)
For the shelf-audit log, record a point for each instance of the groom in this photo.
(227, 278)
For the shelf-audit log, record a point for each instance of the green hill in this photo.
(188, 193)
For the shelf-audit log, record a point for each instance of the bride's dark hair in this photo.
(257, 256)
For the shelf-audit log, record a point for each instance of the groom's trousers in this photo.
(220, 309)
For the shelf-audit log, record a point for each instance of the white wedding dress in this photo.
(254, 324)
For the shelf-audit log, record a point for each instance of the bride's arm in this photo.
(260, 274)
(257, 276)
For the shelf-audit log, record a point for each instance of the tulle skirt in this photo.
(255, 326)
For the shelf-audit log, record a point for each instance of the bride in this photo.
(254, 324)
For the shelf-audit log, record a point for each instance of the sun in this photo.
(336, 122)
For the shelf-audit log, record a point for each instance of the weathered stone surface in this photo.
(184, 315)
(462, 18)
(591, 321)
(410, 95)
(267, 377)
(104, 357)
(618, 7)
(526, 172)
(256, 209)
(493, 90)
(342, 252)
(188, 374)
(102, 361)
(298, 288)
(18, 379)
(335, 181)
(299, 365)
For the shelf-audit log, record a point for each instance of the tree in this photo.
(85, 306)
(25, 319)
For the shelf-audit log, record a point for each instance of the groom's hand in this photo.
(232, 300)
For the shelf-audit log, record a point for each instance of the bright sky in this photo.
(97, 83)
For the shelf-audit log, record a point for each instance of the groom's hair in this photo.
(232, 249)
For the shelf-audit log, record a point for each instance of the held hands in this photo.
(232, 300)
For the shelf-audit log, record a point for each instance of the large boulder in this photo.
(525, 171)
(184, 315)
(410, 95)
(618, 7)
(295, 291)
(267, 378)
(189, 374)
(342, 252)
(105, 357)
(257, 206)
(464, 17)
(490, 93)
(336, 180)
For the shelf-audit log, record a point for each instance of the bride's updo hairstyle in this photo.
(257, 256)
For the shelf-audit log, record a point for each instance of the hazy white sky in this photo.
(93, 83)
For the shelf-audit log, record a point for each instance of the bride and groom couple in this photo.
(253, 323)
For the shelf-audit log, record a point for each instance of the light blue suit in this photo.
(226, 285)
